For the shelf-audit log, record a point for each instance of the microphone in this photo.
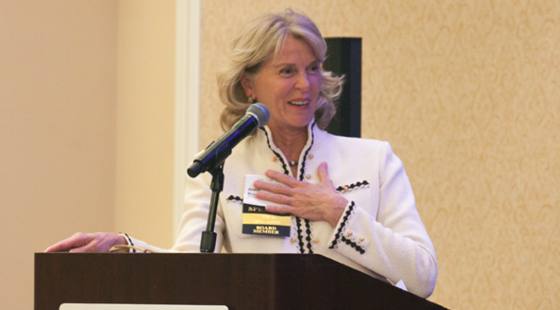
(216, 153)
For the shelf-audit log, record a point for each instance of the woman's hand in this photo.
(316, 202)
(84, 243)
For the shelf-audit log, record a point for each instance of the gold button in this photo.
(316, 240)
(349, 233)
(308, 176)
(345, 189)
(274, 158)
(362, 239)
(310, 156)
(293, 240)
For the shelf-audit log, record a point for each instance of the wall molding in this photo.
(187, 96)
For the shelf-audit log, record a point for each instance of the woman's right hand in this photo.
(87, 243)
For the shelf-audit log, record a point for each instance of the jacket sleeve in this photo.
(393, 243)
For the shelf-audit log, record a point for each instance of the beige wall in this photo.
(86, 127)
(57, 130)
(146, 120)
(468, 94)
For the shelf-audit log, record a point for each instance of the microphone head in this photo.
(260, 112)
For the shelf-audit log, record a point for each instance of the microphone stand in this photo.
(208, 240)
(212, 160)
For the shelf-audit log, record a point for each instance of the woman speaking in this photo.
(348, 199)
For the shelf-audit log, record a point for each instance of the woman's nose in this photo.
(302, 82)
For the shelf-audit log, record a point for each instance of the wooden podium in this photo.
(238, 281)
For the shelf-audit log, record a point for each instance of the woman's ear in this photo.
(247, 87)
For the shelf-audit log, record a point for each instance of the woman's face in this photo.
(289, 86)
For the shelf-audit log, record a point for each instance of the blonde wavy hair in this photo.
(263, 38)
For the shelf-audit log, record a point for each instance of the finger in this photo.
(282, 178)
(91, 247)
(56, 248)
(272, 197)
(82, 249)
(272, 187)
(77, 240)
(323, 172)
(279, 209)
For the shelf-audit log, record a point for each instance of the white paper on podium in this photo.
(138, 307)
(401, 285)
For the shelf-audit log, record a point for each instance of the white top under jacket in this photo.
(380, 232)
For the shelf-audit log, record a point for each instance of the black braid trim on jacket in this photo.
(339, 236)
(300, 236)
(353, 244)
(363, 184)
(308, 238)
(286, 172)
(235, 199)
(284, 166)
(301, 176)
(302, 173)
(302, 170)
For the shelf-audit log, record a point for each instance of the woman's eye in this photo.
(313, 68)
(287, 71)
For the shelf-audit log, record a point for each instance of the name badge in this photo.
(256, 220)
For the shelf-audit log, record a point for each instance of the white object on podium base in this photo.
(138, 307)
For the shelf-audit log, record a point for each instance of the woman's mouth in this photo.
(299, 103)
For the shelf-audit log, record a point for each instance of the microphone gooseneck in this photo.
(257, 115)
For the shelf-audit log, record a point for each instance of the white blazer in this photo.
(380, 232)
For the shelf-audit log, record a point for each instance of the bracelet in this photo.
(130, 247)
(129, 242)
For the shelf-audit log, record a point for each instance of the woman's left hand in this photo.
(316, 202)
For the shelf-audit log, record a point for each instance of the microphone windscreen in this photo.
(260, 112)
